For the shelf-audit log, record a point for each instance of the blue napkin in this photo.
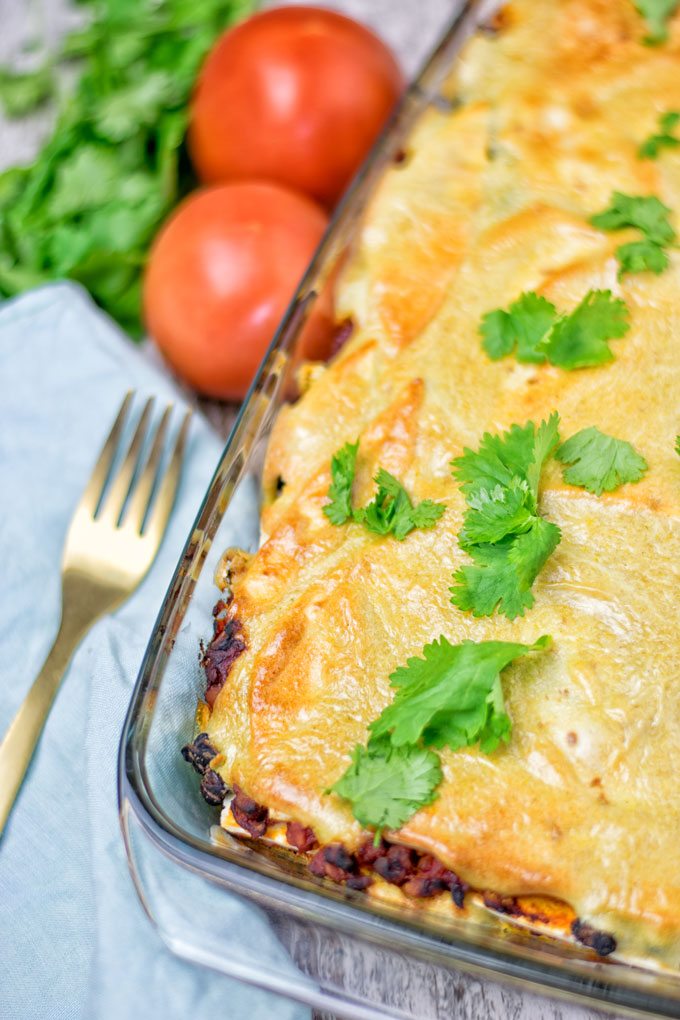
(74, 942)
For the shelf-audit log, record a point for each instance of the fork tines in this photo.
(139, 496)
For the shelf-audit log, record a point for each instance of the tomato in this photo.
(294, 94)
(220, 276)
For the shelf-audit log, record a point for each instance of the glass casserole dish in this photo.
(178, 861)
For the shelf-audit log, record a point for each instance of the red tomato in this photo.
(220, 276)
(296, 95)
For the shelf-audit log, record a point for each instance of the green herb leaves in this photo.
(524, 325)
(452, 697)
(579, 339)
(506, 538)
(656, 13)
(343, 469)
(386, 785)
(664, 138)
(23, 91)
(90, 205)
(647, 214)
(389, 513)
(600, 463)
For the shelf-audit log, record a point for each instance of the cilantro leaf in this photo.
(524, 325)
(600, 463)
(580, 339)
(452, 696)
(574, 340)
(656, 13)
(503, 458)
(664, 139)
(645, 212)
(386, 784)
(21, 92)
(502, 532)
(502, 574)
(641, 256)
(494, 514)
(343, 469)
(389, 513)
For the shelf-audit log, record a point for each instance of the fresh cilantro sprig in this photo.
(92, 201)
(664, 138)
(343, 469)
(386, 784)
(600, 463)
(577, 339)
(390, 512)
(581, 339)
(647, 214)
(503, 532)
(524, 326)
(657, 14)
(451, 697)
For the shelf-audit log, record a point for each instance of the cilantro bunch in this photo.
(391, 512)
(503, 532)
(89, 206)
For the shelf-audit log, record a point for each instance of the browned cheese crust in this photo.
(492, 198)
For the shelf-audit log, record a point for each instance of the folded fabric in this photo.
(74, 942)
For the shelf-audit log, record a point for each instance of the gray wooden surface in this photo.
(410, 26)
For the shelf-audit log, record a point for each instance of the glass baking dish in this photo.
(254, 913)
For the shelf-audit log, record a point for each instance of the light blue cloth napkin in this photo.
(74, 942)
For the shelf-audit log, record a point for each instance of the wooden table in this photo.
(411, 27)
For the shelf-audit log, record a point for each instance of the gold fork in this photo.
(110, 545)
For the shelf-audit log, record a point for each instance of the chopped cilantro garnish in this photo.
(343, 469)
(524, 325)
(664, 138)
(580, 339)
(507, 539)
(386, 784)
(452, 697)
(677, 445)
(389, 513)
(645, 212)
(600, 463)
(641, 256)
(656, 13)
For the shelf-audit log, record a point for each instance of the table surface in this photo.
(411, 27)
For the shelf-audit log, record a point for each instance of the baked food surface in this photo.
(493, 199)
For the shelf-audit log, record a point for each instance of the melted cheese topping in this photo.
(493, 199)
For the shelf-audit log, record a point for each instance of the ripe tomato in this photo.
(220, 276)
(294, 94)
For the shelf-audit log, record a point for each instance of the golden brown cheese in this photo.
(493, 199)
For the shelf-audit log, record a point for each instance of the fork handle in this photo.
(18, 745)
